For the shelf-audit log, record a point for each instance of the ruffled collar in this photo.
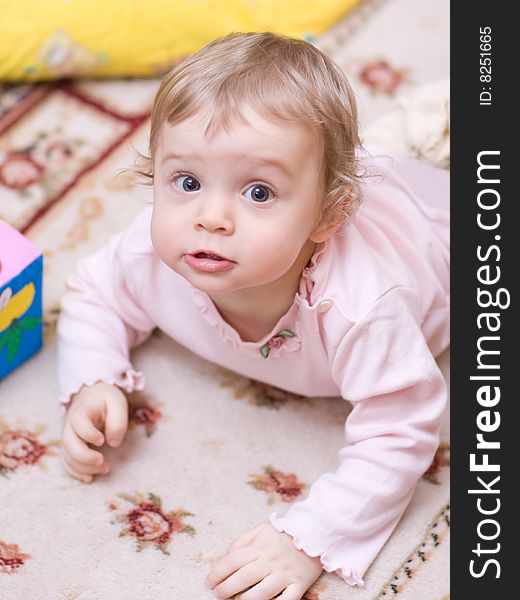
(285, 335)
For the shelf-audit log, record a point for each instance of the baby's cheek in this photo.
(157, 239)
(161, 235)
(285, 251)
(271, 266)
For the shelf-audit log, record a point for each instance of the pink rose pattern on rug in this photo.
(148, 523)
(21, 447)
(318, 587)
(278, 485)
(269, 395)
(258, 393)
(36, 174)
(25, 167)
(441, 459)
(144, 414)
(19, 170)
(11, 559)
(381, 77)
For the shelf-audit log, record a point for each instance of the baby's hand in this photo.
(93, 408)
(266, 561)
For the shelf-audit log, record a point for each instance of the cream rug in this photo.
(209, 454)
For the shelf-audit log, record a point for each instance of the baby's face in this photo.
(251, 194)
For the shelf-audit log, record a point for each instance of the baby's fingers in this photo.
(229, 564)
(82, 469)
(245, 539)
(78, 449)
(85, 477)
(292, 592)
(85, 429)
(116, 422)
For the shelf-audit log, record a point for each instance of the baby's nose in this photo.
(215, 216)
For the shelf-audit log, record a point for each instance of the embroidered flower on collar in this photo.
(276, 341)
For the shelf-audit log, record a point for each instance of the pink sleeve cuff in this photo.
(333, 559)
(128, 381)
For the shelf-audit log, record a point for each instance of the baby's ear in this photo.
(324, 232)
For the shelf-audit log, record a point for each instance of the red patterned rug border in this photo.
(69, 89)
(133, 125)
(35, 97)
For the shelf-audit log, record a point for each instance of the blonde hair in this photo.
(282, 78)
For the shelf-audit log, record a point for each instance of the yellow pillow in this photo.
(48, 39)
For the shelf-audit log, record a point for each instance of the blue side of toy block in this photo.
(24, 336)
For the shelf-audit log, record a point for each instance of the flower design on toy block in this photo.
(379, 76)
(277, 341)
(19, 171)
(286, 485)
(145, 414)
(148, 523)
(12, 307)
(441, 459)
(6, 295)
(21, 447)
(11, 559)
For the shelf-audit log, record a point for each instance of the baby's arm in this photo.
(383, 365)
(101, 320)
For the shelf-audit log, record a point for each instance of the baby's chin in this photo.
(218, 282)
(227, 281)
(218, 285)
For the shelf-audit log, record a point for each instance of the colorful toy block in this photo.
(21, 271)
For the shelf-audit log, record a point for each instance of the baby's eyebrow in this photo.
(261, 161)
(173, 156)
(272, 162)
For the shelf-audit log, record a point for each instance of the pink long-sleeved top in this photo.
(371, 313)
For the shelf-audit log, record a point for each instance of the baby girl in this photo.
(279, 248)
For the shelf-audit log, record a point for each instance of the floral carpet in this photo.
(209, 454)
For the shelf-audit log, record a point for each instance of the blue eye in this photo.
(259, 193)
(187, 183)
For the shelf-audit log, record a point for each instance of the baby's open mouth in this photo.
(205, 255)
(200, 255)
(209, 262)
